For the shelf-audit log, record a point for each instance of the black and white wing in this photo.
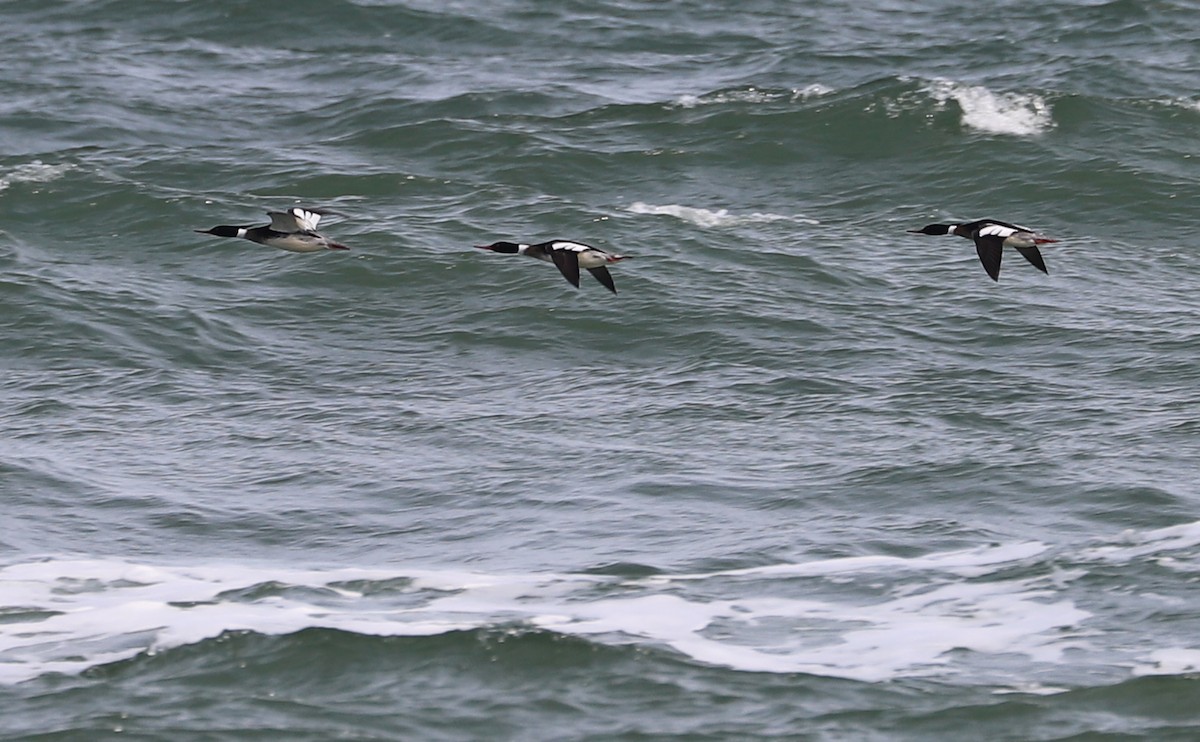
(999, 229)
(565, 255)
(1002, 231)
(569, 246)
(297, 219)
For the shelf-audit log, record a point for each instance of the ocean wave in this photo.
(713, 217)
(981, 108)
(864, 618)
(1016, 114)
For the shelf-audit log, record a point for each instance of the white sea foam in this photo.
(1173, 661)
(902, 636)
(713, 218)
(996, 113)
(33, 172)
(753, 95)
(966, 563)
(871, 618)
(1188, 103)
(1137, 545)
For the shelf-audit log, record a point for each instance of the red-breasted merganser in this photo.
(991, 237)
(568, 256)
(294, 230)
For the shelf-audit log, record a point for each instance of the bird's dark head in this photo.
(504, 247)
(222, 231)
(933, 229)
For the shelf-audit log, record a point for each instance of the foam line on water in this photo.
(753, 95)
(870, 618)
(713, 218)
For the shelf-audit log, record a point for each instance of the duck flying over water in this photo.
(991, 236)
(294, 230)
(568, 256)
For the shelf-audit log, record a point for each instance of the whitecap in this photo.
(1173, 661)
(1016, 114)
(1187, 103)
(1139, 545)
(901, 636)
(753, 95)
(33, 172)
(709, 218)
(965, 613)
(67, 615)
(965, 563)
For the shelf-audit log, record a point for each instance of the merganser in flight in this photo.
(991, 237)
(568, 256)
(294, 230)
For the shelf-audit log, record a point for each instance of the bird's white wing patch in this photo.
(997, 230)
(294, 219)
(305, 218)
(570, 246)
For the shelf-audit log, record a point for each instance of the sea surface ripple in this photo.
(807, 476)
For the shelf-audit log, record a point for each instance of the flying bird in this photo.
(294, 230)
(568, 256)
(991, 236)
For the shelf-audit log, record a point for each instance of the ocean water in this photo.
(807, 476)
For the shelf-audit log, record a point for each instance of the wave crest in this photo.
(713, 217)
(1016, 114)
(753, 94)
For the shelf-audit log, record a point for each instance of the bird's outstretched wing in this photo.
(568, 264)
(603, 276)
(991, 250)
(1033, 255)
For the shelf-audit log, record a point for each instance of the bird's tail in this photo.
(336, 246)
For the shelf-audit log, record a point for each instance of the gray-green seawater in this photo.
(807, 476)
